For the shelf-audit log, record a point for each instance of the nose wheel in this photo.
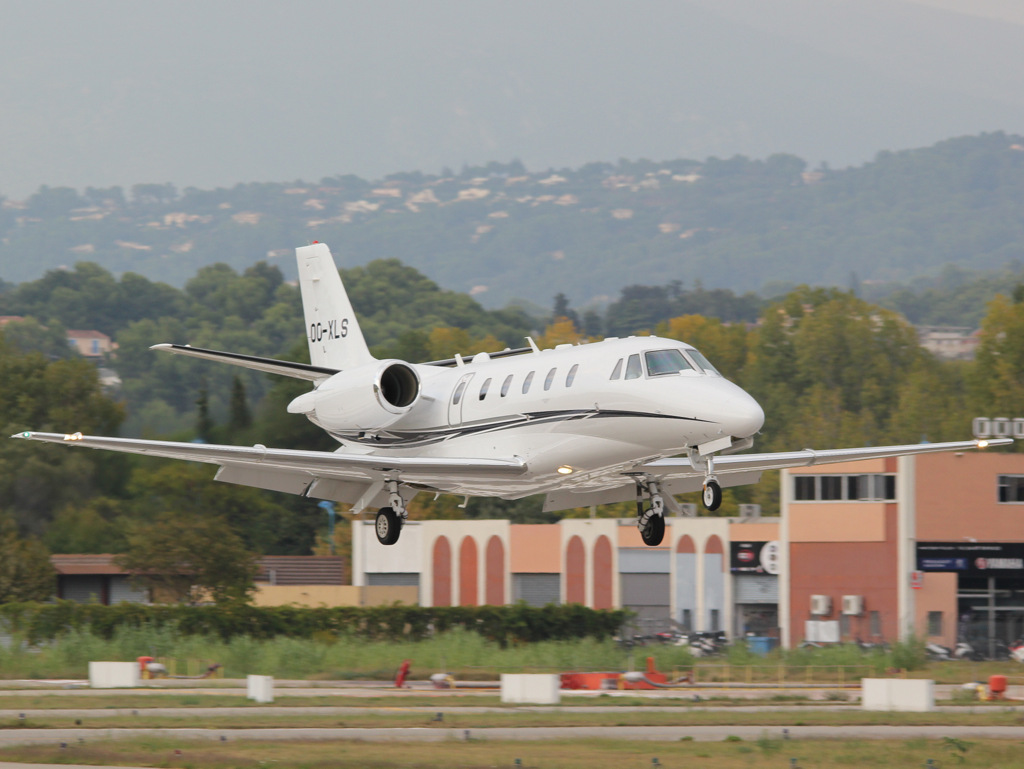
(712, 495)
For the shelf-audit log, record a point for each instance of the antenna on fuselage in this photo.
(533, 345)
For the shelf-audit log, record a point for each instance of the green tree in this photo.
(997, 378)
(189, 558)
(26, 573)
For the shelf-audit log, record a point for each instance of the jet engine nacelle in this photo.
(364, 398)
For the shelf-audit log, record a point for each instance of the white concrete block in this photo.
(260, 688)
(534, 688)
(910, 695)
(113, 675)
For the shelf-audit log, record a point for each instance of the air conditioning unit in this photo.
(750, 512)
(821, 605)
(687, 509)
(853, 605)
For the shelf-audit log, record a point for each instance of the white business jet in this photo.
(584, 424)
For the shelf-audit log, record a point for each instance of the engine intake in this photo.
(365, 398)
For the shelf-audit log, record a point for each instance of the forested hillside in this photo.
(503, 233)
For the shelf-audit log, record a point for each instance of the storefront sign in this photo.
(754, 557)
(974, 558)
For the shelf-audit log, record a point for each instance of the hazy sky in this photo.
(210, 92)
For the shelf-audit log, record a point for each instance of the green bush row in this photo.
(518, 623)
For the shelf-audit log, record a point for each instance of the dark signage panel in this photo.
(754, 557)
(975, 558)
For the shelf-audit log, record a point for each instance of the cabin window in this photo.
(617, 371)
(549, 379)
(484, 387)
(527, 382)
(505, 385)
(666, 362)
(703, 362)
(458, 393)
(633, 368)
(571, 375)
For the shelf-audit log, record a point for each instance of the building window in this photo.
(844, 624)
(526, 383)
(715, 626)
(571, 375)
(875, 487)
(1011, 488)
(686, 620)
(617, 371)
(935, 623)
(505, 385)
(875, 623)
(483, 388)
(805, 487)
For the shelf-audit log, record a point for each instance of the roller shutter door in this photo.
(393, 579)
(537, 589)
(755, 588)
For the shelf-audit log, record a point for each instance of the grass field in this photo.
(766, 752)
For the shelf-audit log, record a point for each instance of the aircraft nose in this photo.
(747, 417)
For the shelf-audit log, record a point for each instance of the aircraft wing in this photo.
(338, 475)
(680, 467)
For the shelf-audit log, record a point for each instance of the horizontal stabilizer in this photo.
(266, 365)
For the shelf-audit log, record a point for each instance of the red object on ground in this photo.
(997, 686)
(613, 680)
(403, 672)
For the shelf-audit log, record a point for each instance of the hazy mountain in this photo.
(502, 232)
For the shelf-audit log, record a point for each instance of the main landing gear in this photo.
(390, 519)
(651, 521)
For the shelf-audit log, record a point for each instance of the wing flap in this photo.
(735, 463)
(314, 464)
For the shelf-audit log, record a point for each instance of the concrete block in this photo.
(534, 688)
(260, 688)
(113, 675)
(909, 695)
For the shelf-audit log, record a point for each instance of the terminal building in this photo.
(875, 551)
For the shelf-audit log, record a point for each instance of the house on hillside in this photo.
(90, 344)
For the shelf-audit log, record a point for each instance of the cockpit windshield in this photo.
(703, 362)
(666, 362)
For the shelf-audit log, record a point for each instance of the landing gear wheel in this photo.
(388, 526)
(653, 531)
(712, 496)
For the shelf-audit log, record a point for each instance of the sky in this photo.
(211, 93)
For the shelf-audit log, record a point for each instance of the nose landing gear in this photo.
(712, 496)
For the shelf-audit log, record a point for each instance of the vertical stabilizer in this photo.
(335, 340)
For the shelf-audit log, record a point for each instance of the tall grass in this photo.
(460, 652)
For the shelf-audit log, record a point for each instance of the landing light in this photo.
(982, 444)
(564, 470)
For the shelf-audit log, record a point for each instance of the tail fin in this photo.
(335, 340)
